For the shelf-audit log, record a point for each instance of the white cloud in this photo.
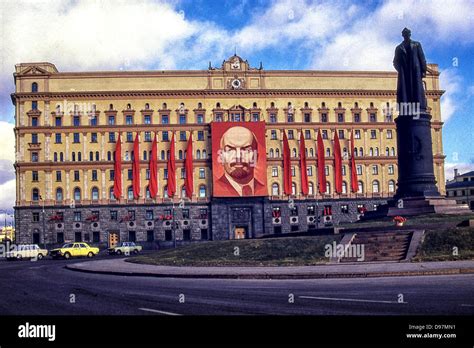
(450, 81)
(7, 198)
(7, 141)
(461, 167)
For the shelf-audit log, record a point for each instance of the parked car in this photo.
(27, 251)
(125, 248)
(69, 250)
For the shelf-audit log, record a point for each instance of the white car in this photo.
(27, 251)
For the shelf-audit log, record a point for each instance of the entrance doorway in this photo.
(240, 232)
(114, 239)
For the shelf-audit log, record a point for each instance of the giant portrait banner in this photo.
(239, 161)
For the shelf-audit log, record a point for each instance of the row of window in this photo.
(311, 210)
(358, 152)
(309, 170)
(375, 188)
(325, 135)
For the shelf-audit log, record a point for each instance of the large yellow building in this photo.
(67, 124)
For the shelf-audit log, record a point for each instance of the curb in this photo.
(447, 271)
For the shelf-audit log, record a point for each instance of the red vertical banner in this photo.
(321, 164)
(153, 184)
(118, 169)
(136, 167)
(303, 166)
(354, 183)
(337, 164)
(171, 186)
(286, 166)
(188, 167)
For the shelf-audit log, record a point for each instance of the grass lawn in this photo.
(296, 251)
(438, 245)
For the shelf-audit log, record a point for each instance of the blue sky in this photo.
(293, 34)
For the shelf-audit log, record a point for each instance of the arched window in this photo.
(376, 151)
(392, 152)
(79, 156)
(361, 152)
(328, 188)
(311, 152)
(204, 154)
(56, 156)
(293, 188)
(371, 152)
(272, 153)
(202, 191)
(360, 187)
(356, 152)
(387, 151)
(111, 106)
(34, 87)
(164, 106)
(165, 191)
(198, 154)
(77, 194)
(97, 155)
(199, 106)
(275, 189)
(73, 157)
(344, 187)
(95, 194)
(311, 189)
(375, 186)
(277, 153)
(130, 193)
(183, 192)
(162, 155)
(272, 105)
(145, 154)
(111, 193)
(91, 156)
(328, 152)
(218, 105)
(109, 156)
(147, 106)
(129, 106)
(391, 186)
(35, 194)
(147, 192)
(293, 153)
(59, 194)
(180, 154)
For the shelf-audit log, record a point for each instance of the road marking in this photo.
(157, 311)
(348, 299)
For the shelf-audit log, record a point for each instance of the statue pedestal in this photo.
(417, 192)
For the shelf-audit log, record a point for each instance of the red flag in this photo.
(171, 170)
(118, 169)
(136, 168)
(354, 183)
(337, 164)
(153, 184)
(303, 167)
(188, 167)
(321, 165)
(286, 166)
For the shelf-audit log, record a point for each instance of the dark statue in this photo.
(410, 63)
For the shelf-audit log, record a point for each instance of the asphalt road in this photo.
(46, 287)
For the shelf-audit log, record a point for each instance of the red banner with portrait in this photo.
(239, 160)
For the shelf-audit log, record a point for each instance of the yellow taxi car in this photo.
(69, 250)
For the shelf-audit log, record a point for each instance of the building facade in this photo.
(67, 125)
(461, 188)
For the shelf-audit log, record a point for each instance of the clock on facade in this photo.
(236, 84)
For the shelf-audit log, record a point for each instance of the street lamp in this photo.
(44, 226)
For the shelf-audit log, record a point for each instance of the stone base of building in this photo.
(217, 219)
(411, 206)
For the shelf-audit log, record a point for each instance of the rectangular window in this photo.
(218, 117)
(326, 170)
(147, 119)
(373, 117)
(294, 211)
(36, 217)
(111, 137)
(187, 234)
(307, 117)
(200, 118)
(324, 117)
(112, 175)
(58, 176)
(93, 137)
(274, 172)
(57, 138)
(34, 138)
(183, 173)
(111, 120)
(34, 175)
(129, 137)
(130, 174)
(76, 121)
(375, 169)
(185, 213)
(34, 121)
(293, 171)
(182, 119)
(273, 135)
(165, 173)
(58, 121)
(391, 169)
(147, 174)
(113, 215)
(129, 120)
(164, 136)
(359, 169)
(290, 134)
(324, 134)
(149, 215)
(182, 136)
(94, 175)
(309, 171)
(357, 134)
(273, 118)
(340, 117)
(389, 134)
(203, 213)
(165, 119)
(77, 216)
(132, 237)
(343, 170)
(341, 134)
(76, 138)
(344, 209)
(34, 157)
(290, 117)
(307, 134)
(34, 105)
(95, 237)
(202, 173)
(150, 236)
(93, 121)
(60, 237)
(373, 134)
(357, 118)
(76, 175)
(147, 136)
(310, 210)
(255, 117)
(131, 215)
(201, 135)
